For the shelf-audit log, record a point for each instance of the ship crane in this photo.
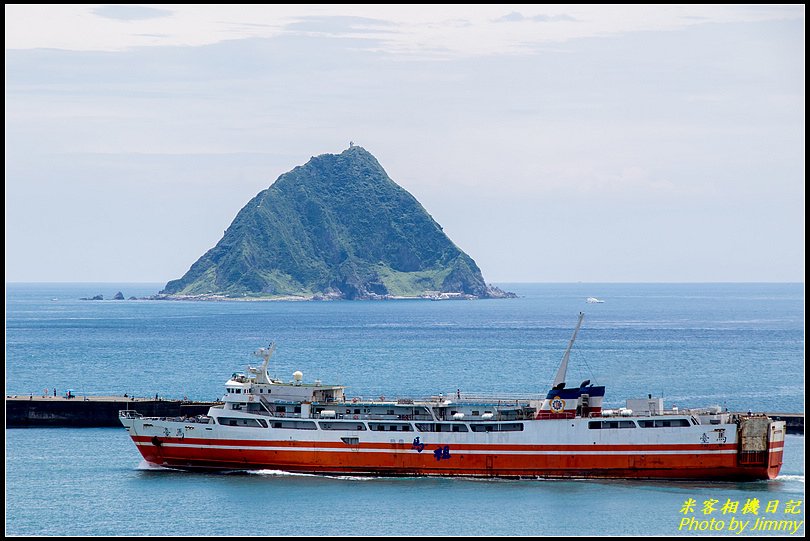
(559, 379)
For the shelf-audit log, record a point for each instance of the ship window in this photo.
(391, 427)
(671, 422)
(499, 427)
(611, 424)
(663, 423)
(238, 391)
(297, 409)
(441, 427)
(476, 412)
(294, 425)
(238, 421)
(342, 425)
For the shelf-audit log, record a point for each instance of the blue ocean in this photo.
(739, 346)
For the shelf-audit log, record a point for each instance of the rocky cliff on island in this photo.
(335, 228)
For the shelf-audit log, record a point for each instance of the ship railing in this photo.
(559, 415)
(371, 417)
(490, 397)
(197, 419)
(454, 398)
(278, 414)
(466, 398)
(129, 414)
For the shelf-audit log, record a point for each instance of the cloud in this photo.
(430, 32)
(339, 24)
(161, 36)
(516, 17)
(131, 13)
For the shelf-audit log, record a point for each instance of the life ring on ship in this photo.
(356, 417)
(557, 404)
(250, 399)
(354, 400)
(382, 398)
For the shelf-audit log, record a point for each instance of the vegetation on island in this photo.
(335, 228)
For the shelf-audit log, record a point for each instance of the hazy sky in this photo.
(552, 143)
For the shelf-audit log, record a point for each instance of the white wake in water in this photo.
(799, 478)
(281, 473)
(146, 466)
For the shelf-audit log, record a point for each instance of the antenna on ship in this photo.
(559, 379)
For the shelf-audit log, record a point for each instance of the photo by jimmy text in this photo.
(776, 516)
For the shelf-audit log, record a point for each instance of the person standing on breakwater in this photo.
(54, 392)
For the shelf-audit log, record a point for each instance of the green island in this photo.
(337, 227)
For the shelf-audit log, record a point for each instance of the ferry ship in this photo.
(265, 423)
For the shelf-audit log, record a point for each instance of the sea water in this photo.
(738, 346)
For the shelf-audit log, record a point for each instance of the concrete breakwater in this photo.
(794, 422)
(94, 411)
(91, 411)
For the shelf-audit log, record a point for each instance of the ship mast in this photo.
(261, 372)
(561, 371)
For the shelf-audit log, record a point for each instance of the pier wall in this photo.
(91, 411)
(38, 411)
(794, 422)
